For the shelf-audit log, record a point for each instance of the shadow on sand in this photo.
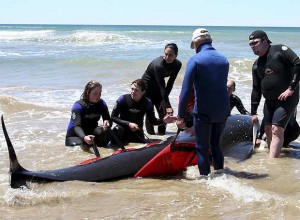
(243, 174)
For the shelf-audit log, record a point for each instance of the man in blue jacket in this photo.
(207, 71)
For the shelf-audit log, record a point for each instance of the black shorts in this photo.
(278, 112)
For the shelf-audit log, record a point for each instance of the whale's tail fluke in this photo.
(15, 167)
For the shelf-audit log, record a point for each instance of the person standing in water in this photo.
(275, 75)
(207, 71)
(158, 91)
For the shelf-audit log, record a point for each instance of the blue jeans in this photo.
(208, 136)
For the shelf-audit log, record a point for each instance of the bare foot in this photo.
(257, 142)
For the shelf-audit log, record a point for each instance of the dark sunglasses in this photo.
(254, 43)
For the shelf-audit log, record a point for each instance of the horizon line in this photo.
(174, 25)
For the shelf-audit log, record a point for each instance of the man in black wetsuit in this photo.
(235, 101)
(275, 76)
(157, 90)
(129, 111)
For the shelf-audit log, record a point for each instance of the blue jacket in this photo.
(207, 71)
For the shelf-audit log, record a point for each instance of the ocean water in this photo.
(43, 70)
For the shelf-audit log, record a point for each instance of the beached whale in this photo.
(237, 143)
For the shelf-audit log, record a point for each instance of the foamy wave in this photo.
(241, 192)
(24, 35)
(98, 38)
(233, 186)
(240, 69)
(79, 37)
(49, 194)
(5, 54)
(158, 32)
(24, 196)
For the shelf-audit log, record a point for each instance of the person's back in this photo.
(211, 77)
(207, 71)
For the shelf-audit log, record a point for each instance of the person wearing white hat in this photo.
(207, 73)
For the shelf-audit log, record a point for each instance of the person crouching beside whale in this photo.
(83, 127)
(129, 111)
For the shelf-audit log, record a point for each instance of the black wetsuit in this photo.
(158, 91)
(128, 111)
(235, 101)
(273, 73)
(291, 132)
(84, 121)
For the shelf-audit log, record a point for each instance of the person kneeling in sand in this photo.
(129, 111)
(83, 127)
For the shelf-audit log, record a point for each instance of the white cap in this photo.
(199, 32)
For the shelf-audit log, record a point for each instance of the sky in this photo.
(268, 13)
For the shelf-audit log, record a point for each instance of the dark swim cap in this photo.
(259, 34)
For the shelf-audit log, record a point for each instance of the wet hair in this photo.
(141, 83)
(173, 47)
(88, 88)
